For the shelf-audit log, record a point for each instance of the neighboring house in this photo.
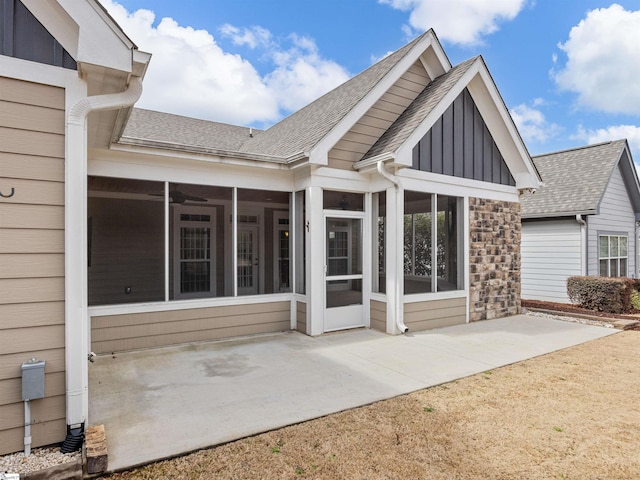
(391, 202)
(582, 221)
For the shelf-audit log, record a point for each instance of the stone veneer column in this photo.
(494, 259)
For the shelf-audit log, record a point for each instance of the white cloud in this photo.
(603, 60)
(190, 74)
(302, 75)
(252, 37)
(532, 124)
(459, 21)
(612, 132)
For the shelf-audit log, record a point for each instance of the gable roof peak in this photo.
(575, 180)
(304, 129)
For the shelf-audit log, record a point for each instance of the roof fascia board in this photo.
(630, 177)
(203, 154)
(496, 116)
(572, 213)
(319, 153)
(86, 31)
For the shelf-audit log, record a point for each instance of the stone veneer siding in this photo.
(494, 259)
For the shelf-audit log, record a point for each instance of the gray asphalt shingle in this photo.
(297, 133)
(574, 180)
(419, 109)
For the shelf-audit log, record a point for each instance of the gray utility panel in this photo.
(33, 380)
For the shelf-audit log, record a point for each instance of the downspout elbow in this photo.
(396, 183)
(384, 173)
(110, 101)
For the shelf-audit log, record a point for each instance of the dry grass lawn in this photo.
(573, 414)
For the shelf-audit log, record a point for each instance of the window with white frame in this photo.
(432, 243)
(613, 255)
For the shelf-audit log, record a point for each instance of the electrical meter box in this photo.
(33, 379)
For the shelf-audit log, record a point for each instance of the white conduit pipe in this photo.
(27, 428)
(396, 183)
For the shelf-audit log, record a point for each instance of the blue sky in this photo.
(568, 70)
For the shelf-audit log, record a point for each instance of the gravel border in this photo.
(39, 459)
(583, 321)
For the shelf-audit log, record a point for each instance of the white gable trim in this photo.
(319, 153)
(85, 31)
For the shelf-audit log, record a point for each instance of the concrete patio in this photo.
(164, 402)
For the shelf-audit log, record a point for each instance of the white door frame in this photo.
(254, 230)
(351, 316)
(177, 227)
(277, 228)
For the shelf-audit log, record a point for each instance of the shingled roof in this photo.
(419, 109)
(574, 180)
(299, 132)
(148, 126)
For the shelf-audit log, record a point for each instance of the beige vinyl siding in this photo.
(32, 318)
(379, 118)
(301, 317)
(420, 316)
(378, 315)
(117, 333)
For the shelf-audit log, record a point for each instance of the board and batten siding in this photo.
(32, 149)
(616, 217)
(119, 333)
(551, 253)
(352, 147)
(419, 316)
(378, 316)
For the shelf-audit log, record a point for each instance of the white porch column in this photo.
(394, 255)
(315, 262)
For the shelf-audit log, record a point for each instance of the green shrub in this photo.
(635, 300)
(604, 294)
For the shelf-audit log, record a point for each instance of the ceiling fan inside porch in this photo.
(176, 196)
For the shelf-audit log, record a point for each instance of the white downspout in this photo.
(583, 244)
(76, 296)
(399, 314)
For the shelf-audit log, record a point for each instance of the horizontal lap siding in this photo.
(435, 314)
(550, 254)
(616, 216)
(378, 316)
(32, 318)
(352, 147)
(301, 317)
(117, 333)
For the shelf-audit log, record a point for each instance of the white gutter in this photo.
(399, 273)
(76, 302)
(583, 244)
